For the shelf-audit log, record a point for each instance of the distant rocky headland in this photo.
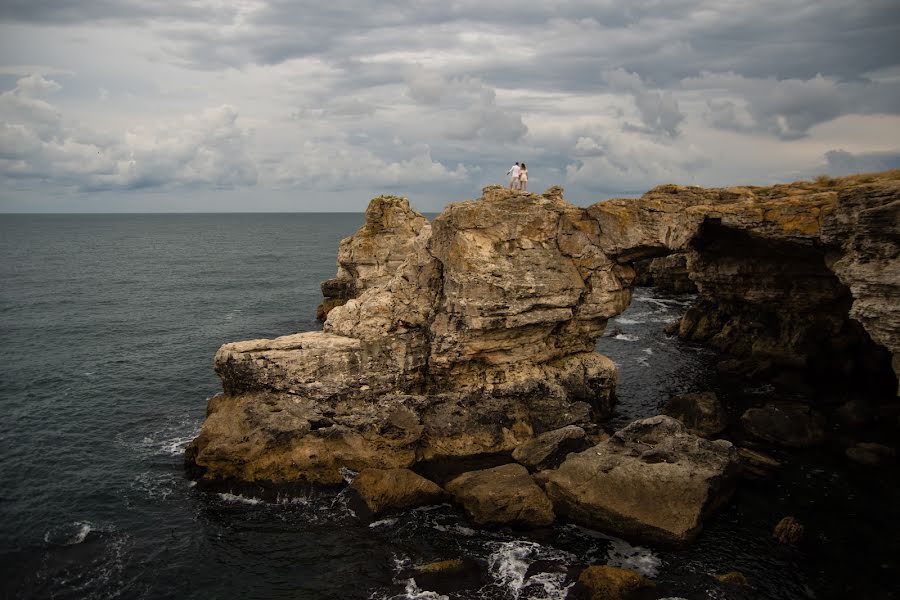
(457, 358)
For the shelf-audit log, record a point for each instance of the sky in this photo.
(269, 105)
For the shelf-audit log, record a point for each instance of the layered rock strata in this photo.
(804, 275)
(458, 338)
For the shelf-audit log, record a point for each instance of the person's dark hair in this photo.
(522, 165)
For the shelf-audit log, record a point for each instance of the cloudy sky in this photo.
(246, 105)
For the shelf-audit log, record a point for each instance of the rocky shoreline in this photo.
(463, 350)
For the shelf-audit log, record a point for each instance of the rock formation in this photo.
(805, 275)
(468, 337)
(462, 337)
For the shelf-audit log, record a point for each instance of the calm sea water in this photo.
(109, 324)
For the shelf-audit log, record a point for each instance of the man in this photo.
(514, 176)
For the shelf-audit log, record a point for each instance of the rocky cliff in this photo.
(458, 338)
(470, 335)
(803, 275)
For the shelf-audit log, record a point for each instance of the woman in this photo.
(523, 177)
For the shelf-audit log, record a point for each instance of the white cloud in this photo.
(208, 148)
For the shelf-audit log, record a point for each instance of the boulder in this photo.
(757, 464)
(447, 576)
(504, 495)
(605, 582)
(701, 413)
(872, 454)
(652, 481)
(734, 578)
(785, 423)
(548, 450)
(383, 490)
(788, 531)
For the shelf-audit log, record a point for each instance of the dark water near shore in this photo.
(109, 324)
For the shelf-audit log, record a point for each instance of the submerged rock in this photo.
(701, 413)
(652, 481)
(734, 578)
(383, 490)
(505, 495)
(872, 454)
(786, 423)
(758, 465)
(605, 582)
(448, 576)
(788, 531)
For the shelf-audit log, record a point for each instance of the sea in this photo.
(109, 324)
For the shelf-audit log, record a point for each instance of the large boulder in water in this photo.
(651, 481)
(504, 495)
(701, 413)
(382, 490)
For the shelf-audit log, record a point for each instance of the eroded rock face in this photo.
(652, 481)
(459, 338)
(805, 274)
(371, 256)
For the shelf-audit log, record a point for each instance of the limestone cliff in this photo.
(474, 333)
(804, 275)
(462, 337)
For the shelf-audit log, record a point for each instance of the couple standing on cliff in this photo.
(518, 177)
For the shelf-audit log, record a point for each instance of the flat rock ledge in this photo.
(651, 481)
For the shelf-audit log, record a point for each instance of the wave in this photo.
(626, 337)
(508, 566)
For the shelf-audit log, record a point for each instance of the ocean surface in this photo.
(109, 324)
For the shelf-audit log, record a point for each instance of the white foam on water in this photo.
(626, 337)
(155, 486)
(662, 302)
(648, 351)
(509, 563)
(70, 534)
(228, 497)
(547, 586)
(642, 360)
(383, 523)
(170, 440)
(637, 558)
(414, 593)
(626, 321)
(348, 475)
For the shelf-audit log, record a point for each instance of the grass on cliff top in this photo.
(825, 183)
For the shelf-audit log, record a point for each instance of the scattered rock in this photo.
(734, 578)
(652, 481)
(448, 576)
(549, 449)
(383, 490)
(856, 412)
(871, 454)
(786, 423)
(505, 495)
(757, 464)
(604, 582)
(672, 328)
(701, 413)
(788, 531)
